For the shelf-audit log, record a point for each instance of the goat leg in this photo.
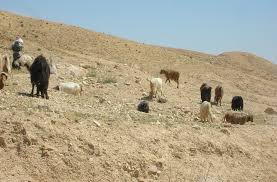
(32, 92)
(38, 89)
(46, 94)
(42, 93)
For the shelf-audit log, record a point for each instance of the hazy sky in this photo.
(211, 26)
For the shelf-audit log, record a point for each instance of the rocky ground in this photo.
(99, 135)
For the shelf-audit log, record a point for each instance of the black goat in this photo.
(205, 92)
(237, 103)
(143, 107)
(40, 74)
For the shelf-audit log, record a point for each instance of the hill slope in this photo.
(59, 140)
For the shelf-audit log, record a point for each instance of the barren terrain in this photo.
(100, 136)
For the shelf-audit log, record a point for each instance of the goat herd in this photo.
(234, 117)
(40, 70)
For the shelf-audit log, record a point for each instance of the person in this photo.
(17, 47)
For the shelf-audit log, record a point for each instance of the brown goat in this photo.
(235, 117)
(218, 94)
(171, 75)
(5, 65)
(3, 78)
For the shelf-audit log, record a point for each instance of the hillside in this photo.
(59, 139)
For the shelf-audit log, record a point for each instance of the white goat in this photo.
(205, 111)
(70, 88)
(24, 60)
(27, 61)
(155, 87)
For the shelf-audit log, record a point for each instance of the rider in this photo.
(17, 47)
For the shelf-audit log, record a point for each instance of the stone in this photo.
(153, 170)
(225, 131)
(97, 123)
(197, 127)
(76, 71)
(270, 111)
(162, 100)
(2, 143)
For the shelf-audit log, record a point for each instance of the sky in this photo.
(210, 26)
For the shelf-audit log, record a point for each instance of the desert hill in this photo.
(60, 140)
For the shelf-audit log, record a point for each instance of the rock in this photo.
(76, 71)
(228, 125)
(27, 141)
(2, 143)
(135, 173)
(270, 111)
(153, 170)
(225, 131)
(162, 100)
(144, 94)
(128, 84)
(23, 131)
(193, 151)
(97, 123)
(85, 83)
(197, 127)
(141, 179)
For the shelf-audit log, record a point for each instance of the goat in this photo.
(24, 60)
(40, 74)
(143, 106)
(70, 88)
(27, 61)
(203, 85)
(238, 117)
(155, 87)
(218, 94)
(205, 90)
(171, 75)
(3, 78)
(237, 103)
(205, 111)
(5, 64)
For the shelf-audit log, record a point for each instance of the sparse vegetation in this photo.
(108, 80)
(91, 73)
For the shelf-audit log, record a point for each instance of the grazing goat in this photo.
(24, 60)
(70, 88)
(171, 75)
(3, 78)
(40, 73)
(27, 61)
(155, 87)
(237, 103)
(218, 94)
(205, 92)
(238, 117)
(205, 111)
(143, 106)
(5, 64)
